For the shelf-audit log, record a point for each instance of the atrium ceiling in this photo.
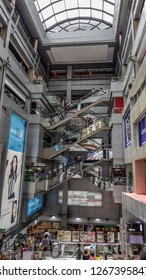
(64, 15)
(80, 32)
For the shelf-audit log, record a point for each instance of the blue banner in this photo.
(127, 130)
(58, 147)
(142, 131)
(63, 159)
(34, 205)
(17, 134)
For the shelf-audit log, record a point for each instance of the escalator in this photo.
(104, 183)
(86, 132)
(70, 104)
(71, 169)
(79, 113)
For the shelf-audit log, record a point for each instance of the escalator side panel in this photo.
(95, 103)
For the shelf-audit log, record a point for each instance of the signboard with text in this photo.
(82, 198)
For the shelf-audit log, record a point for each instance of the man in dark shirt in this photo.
(78, 163)
(143, 253)
(85, 255)
(78, 252)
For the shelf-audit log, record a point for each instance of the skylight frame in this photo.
(66, 12)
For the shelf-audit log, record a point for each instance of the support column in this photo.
(139, 177)
(64, 206)
(69, 82)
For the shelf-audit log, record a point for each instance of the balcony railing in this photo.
(15, 99)
(29, 176)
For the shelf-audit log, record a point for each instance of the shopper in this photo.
(143, 253)
(44, 245)
(78, 163)
(105, 257)
(30, 242)
(92, 256)
(86, 255)
(46, 232)
(78, 252)
(2, 237)
(35, 256)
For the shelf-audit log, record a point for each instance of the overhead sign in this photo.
(83, 198)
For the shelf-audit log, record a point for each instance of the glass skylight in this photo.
(73, 15)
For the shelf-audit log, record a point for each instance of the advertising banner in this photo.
(127, 130)
(60, 235)
(34, 205)
(92, 144)
(100, 236)
(12, 180)
(91, 236)
(75, 236)
(142, 131)
(93, 156)
(110, 237)
(83, 198)
(83, 236)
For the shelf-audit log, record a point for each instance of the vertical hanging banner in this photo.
(127, 129)
(13, 173)
(142, 131)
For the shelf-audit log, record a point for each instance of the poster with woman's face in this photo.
(100, 236)
(75, 236)
(110, 237)
(14, 211)
(13, 173)
(12, 184)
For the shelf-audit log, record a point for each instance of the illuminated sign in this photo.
(34, 205)
(83, 198)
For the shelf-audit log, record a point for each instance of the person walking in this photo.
(30, 242)
(44, 245)
(92, 256)
(85, 255)
(2, 237)
(78, 163)
(143, 253)
(78, 252)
